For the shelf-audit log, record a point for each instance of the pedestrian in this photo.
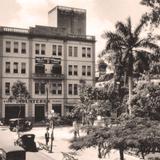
(75, 129)
(47, 136)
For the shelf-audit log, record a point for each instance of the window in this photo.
(7, 67)
(42, 88)
(70, 51)
(75, 70)
(23, 49)
(54, 48)
(15, 67)
(75, 51)
(43, 49)
(7, 88)
(83, 52)
(8, 46)
(59, 50)
(75, 89)
(59, 88)
(37, 47)
(88, 70)
(39, 68)
(39, 88)
(88, 52)
(70, 89)
(70, 70)
(15, 47)
(83, 70)
(36, 88)
(23, 68)
(54, 88)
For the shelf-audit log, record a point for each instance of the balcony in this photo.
(47, 76)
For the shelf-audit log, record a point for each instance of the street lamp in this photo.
(52, 116)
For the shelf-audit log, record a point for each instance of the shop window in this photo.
(57, 69)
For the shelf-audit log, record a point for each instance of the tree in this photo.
(146, 101)
(153, 16)
(20, 94)
(131, 51)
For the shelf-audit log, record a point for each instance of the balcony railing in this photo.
(47, 76)
(16, 30)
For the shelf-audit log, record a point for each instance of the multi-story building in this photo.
(51, 60)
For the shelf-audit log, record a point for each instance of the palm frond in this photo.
(145, 43)
(138, 29)
(121, 28)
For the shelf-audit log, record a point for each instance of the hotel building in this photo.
(51, 61)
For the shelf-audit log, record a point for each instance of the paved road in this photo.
(61, 144)
(7, 138)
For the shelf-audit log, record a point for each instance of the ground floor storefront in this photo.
(36, 110)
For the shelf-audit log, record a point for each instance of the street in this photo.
(61, 144)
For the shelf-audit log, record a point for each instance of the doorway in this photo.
(39, 113)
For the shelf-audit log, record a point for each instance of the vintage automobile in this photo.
(26, 141)
(12, 153)
(20, 123)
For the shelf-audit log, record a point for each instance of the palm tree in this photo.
(130, 50)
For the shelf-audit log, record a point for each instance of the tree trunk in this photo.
(121, 154)
(130, 82)
(130, 86)
(125, 78)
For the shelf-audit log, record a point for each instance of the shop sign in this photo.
(35, 101)
(47, 60)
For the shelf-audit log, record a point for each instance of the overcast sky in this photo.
(101, 14)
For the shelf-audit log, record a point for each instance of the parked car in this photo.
(26, 141)
(23, 124)
(12, 153)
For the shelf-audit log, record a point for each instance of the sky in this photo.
(101, 14)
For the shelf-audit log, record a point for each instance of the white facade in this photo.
(77, 58)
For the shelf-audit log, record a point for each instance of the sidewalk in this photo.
(62, 136)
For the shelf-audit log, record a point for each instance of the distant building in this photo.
(51, 60)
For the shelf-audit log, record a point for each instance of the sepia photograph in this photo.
(79, 79)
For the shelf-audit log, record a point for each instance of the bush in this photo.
(153, 156)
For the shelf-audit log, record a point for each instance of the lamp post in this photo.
(52, 127)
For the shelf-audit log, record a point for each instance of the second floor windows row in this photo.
(16, 67)
(56, 88)
(40, 49)
(16, 46)
(73, 70)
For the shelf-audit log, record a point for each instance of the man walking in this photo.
(47, 136)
